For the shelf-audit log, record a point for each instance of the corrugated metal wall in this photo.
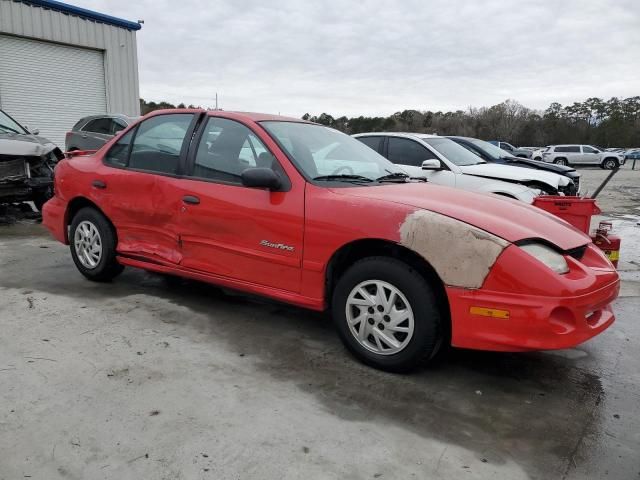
(118, 44)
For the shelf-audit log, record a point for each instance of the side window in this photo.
(226, 149)
(158, 143)
(573, 149)
(586, 149)
(119, 153)
(117, 125)
(99, 125)
(561, 149)
(506, 146)
(404, 151)
(371, 142)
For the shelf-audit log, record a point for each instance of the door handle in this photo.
(84, 136)
(191, 199)
(99, 184)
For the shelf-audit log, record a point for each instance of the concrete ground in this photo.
(153, 378)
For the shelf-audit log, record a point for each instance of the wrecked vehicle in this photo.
(254, 202)
(445, 162)
(26, 164)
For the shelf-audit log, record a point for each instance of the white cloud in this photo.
(375, 57)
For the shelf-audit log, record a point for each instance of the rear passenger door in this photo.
(135, 185)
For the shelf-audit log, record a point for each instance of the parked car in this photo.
(537, 153)
(26, 164)
(492, 154)
(91, 133)
(582, 155)
(445, 162)
(515, 151)
(633, 154)
(404, 266)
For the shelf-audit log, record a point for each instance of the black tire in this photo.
(561, 161)
(427, 330)
(107, 268)
(610, 163)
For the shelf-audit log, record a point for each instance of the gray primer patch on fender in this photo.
(460, 253)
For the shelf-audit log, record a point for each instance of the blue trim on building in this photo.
(84, 13)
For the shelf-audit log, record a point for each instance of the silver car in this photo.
(90, 133)
(582, 155)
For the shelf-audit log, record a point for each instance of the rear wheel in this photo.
(92, 242)
(387, 314)
(610, 163)
(561, 161)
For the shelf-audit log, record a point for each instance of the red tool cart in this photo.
(578, 212)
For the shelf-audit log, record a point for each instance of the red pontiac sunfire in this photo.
(305, 214)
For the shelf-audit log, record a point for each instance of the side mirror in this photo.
(32, 132)
(259, 177)
(432, 164)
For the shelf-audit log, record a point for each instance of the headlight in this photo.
(548, 256)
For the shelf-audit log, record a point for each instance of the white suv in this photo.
(582, 155)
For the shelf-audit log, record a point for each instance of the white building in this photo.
(59, 63)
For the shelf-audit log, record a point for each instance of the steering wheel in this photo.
(347, 169)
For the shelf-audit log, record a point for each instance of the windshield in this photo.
(454, 152)
(9, 125)
(320, 151)
(491, 149)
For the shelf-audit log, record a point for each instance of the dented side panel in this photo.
(460, 253)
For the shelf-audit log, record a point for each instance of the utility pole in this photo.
(216, 100)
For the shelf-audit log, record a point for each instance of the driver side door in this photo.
(409, 155)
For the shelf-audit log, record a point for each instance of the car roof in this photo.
(253, 116)
(397, 134)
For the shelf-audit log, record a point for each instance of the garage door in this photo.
(49, 86)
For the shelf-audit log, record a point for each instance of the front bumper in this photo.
(524, 305)
(534, 323)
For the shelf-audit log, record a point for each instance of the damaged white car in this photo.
(26, 164)
(445, 162)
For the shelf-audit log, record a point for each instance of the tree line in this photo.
(607, 123)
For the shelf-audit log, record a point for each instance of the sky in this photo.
(377, 57)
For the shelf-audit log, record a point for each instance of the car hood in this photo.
(550, 167)
(517, 174)
(12, 144)
(506, 218)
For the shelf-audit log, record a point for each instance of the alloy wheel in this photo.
(88, 244)
(379, 317)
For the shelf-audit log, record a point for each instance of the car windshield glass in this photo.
(491, 149)
(320, 151)
(8, 125)
(453, 151)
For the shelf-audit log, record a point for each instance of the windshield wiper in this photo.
(9, 129)
(399, 177)
(345, 177)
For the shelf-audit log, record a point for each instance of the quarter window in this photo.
(119, 153)
(226, 149)
(158, 143)
(403, 151)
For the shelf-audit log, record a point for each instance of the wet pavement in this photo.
(155, 377)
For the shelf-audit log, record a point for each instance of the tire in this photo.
(416, 308)
(561, 161)
(610, 163)
(96, 258)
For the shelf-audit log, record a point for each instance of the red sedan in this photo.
(307, 215)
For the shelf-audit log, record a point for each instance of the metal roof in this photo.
(84, 13)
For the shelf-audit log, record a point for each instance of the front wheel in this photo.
(92, 241)
(610, 163)
(387, 314)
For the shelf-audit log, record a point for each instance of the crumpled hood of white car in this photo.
(518, 174)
